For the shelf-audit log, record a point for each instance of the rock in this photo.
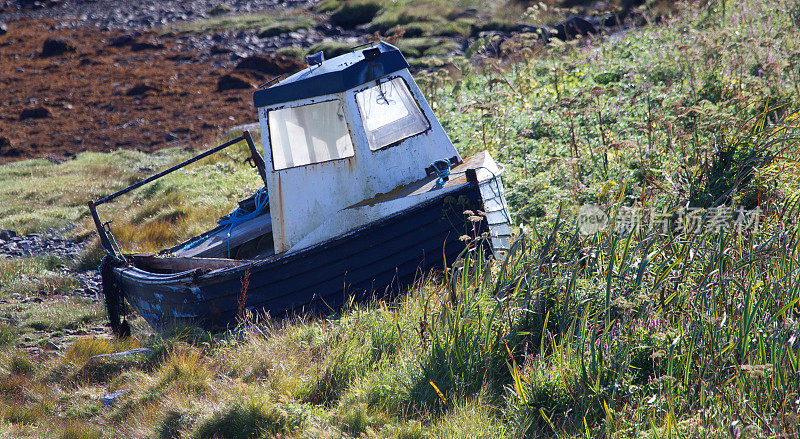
(123, 40)
(39, 112)
(117, 355)
(146, 45)
(3, 28)
(7, 150)
(351, 14)
(611, 20)
(51, 346)
(6, 235)
(573, 27)
(169, 137)
(217, 49)
(110, 398)
(58, 46)
(141, 88)
(270, 65)
(233, 82)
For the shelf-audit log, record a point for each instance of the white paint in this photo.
(303, 198)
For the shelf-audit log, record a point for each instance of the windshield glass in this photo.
(390, 114)
(309, 134)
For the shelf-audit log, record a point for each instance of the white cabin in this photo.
(341, 132)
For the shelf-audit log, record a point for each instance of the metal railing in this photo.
(107, 240)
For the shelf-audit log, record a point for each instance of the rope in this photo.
(113, 297)
(443, 172)
(236, 217)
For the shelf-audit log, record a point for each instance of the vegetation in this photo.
(661, 331)
(221, 20)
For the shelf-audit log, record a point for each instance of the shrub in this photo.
(173, 424)
(81, 431)
(246, 419)
(85, 347)
(327, 6)
(356, 419)
(416, 29)
(291, 52)
(355, 12)
(90, 256)
(8, 335)
(606, 78)
(185, 369)
(15, 414)
(219, 10)
(20, 365)
(330, 48)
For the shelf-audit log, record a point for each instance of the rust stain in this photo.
(277, 220)
(428, 183)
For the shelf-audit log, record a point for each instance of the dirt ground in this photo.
(114, 90)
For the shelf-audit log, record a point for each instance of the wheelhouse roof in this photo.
(334, 75)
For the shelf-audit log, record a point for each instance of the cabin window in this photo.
(309, 134)
(390, 114)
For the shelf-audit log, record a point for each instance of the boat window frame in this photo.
(378, 82)
(303, 103)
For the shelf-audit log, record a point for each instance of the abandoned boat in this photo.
(363, 192)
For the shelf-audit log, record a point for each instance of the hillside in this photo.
(654, 290)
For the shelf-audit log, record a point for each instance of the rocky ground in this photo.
(113, 14)
(100, 75)
(68, 90)
(88, 288)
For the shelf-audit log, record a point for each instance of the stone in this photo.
(573, 27)
(141, 88)
(110, 398)
(6, 235)
(146, 45)
(3, 28)
(123, 40)
(216, 49)
(611, 20)
(117, 355)
(233, 82)
(58, 46)
(39, 112)
(7, 149)
(269, 65)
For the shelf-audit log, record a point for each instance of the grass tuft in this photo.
(185, 369)
(81, 431)
(244, 419)
(20, 365)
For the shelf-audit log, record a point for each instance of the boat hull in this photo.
(380, 259)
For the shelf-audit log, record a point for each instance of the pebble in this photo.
(110, 398)
(34, 244)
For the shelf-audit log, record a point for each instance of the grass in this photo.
(35, 275)
(70, 313)
(223, 21)
(650, 333)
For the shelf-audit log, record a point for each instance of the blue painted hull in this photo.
(379, 260)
